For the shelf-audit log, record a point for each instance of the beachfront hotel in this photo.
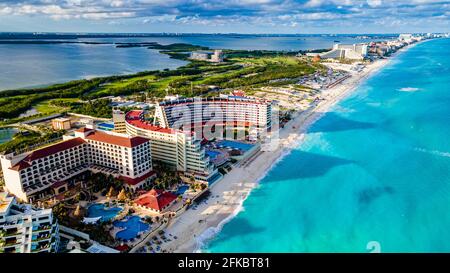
(209, 113)
(176, 148)
(24, 229)
(177, 129)
(346, 51)
(51, 170)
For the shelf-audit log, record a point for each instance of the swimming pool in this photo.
(99, 210)
(234, 145)
(181, 189)
(212, 154)
(105, 126)
(133, 225)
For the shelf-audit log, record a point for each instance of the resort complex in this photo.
(343, 51)
(215, 114)
(180, 150)
(105, 172)
(149, 162)
(48, 171)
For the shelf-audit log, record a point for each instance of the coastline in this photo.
(194, 227)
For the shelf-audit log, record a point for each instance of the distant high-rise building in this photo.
(405, 37)
(215, 57)
(347, 51)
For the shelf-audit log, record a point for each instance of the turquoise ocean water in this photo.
(376, 168)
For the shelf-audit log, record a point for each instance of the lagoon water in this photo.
(6, 134)
(373, 174)
(31, 65)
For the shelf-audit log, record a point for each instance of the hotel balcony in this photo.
(10, 250)
(42, 185)
(42, 237)
(41, 246)
(12, 233)
(11, 242)
(42, 228)
(41, 249)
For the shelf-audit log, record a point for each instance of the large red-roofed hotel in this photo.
(34, 175)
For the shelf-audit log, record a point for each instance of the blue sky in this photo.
(213, 16)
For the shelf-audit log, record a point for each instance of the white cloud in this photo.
(374, 3)
(219, 12)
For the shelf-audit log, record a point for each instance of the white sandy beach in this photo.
(227, 195)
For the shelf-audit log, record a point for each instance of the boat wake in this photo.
(409, 89)
(433, 152)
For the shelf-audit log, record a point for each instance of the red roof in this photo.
(116, 140)
(20, 166)
(237, 101)
(156, 199)
(135, 181)
(49, 150)
(123, 248)
(84, 130)
(238, 93)
(58, 184)
(134, 118)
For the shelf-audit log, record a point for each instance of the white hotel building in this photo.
(50, 170)
(347, 51)
(24, 229)
(174, 144)
(231, 112)
(175, 148)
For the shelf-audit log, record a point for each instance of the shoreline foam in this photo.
(194, 228)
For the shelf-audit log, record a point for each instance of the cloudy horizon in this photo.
(233, 16)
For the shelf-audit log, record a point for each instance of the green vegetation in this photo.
(98, 108)
(178, 50)
(102, 182)
(241, 70)
(166, 179)
(98, 232)
(26, 139)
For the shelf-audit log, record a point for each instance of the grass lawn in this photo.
(46, 108)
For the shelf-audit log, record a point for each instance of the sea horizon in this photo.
(201, 33)
(325, 156)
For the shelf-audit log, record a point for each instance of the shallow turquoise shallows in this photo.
(372, 173)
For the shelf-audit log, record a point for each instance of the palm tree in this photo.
(122, 195)
(117, 183)
(2, 240)
(110, 192)
(77, 211)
